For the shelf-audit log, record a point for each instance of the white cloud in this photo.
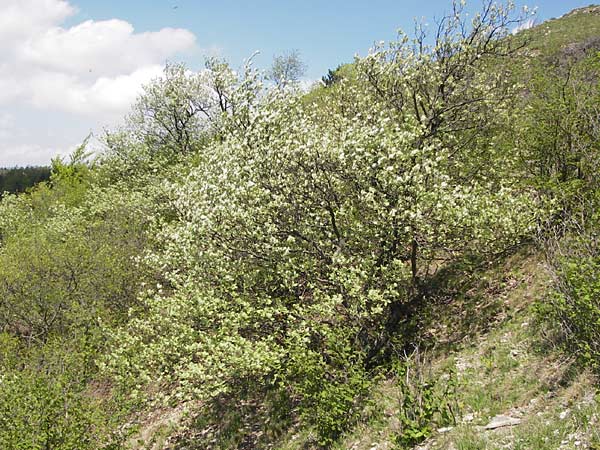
(105, 96)
(25, 155)
(93, 69)
(86, 48)
(118, 93)
(24, 18)
(7, 123)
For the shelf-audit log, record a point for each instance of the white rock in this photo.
(502, 421)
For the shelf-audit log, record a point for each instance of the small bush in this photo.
(332, 389)
(427, 401)
(574, 260)
(45, 402)
(574, 304)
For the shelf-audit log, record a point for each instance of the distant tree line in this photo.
(18, 179)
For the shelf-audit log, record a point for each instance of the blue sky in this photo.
(71, 67)
(326, 32)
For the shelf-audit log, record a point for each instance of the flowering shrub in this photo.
(306, 228)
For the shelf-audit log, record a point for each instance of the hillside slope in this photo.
(513, 389)
(483, 360)
(576, 29)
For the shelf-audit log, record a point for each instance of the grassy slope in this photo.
(552, 36)
(504, 367)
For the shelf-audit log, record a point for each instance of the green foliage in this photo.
(76, 170)
(331, 387)
(569, 31)
(332, 77)
(427, 403)
(574, 306)
(43, 399)
(67, 274)
(578, 305)
(19, 179)
(68, 182)
(68, 271)
(563, 132)
(560, 128)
